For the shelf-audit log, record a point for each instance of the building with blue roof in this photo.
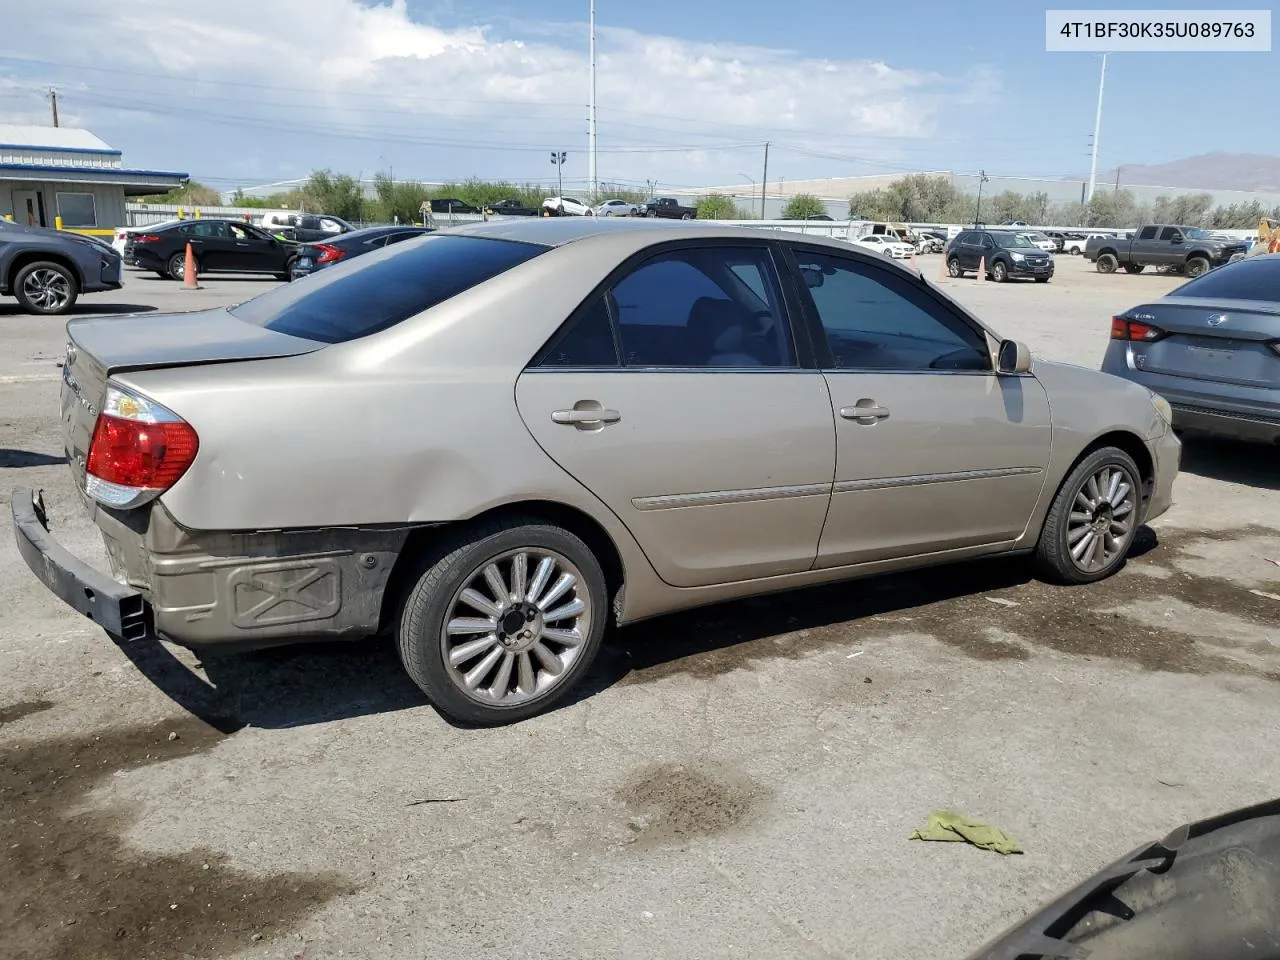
(52, 174)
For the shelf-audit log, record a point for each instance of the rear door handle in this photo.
(865, 411)
(586, 416)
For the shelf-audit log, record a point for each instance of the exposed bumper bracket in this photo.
(120, 611)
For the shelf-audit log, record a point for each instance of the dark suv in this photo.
(1005, 254)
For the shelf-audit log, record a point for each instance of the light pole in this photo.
(977, 216)
(591, 114)
(558, 158)
(1097, 129)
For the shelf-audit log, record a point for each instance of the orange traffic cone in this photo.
(913, 260)
(942, 269)
(189, 270)
(982, 269)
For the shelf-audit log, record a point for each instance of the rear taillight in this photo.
(328, 253)
(139, 450)
(147, 238)
(1122, 328)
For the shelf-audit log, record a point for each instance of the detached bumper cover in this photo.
(120, 611)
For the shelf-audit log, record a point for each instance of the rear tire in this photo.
(1107, 263)
(178, 267)
(1134, 267)
(686, 216)
(46, 288)
(514, 676)
(1078, 518)
(1196, 266)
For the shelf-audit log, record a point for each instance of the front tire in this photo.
(1107, 263)
(999, 272)
(1042, 279)
(953, 268)
(1197, 266)
(1092, 521)
(504, 621)
(46, 288)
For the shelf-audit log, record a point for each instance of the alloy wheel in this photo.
(1100, 525)
(47, 289)
(516, 626)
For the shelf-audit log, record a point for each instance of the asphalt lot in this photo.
(738, 782)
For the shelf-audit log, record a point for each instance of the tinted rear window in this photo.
(1256, 278)
(383, 288)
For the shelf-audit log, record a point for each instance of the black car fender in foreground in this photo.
(1210, 890)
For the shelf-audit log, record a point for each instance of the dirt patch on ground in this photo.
(71, 889)
(671, 804)
(961, 604)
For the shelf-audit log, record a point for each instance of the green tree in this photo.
(193, 193)
(716, 206)
(399, 199)
(803, 206)
(336, 194)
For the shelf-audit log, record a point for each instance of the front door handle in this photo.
(865, 412)
(586, 416)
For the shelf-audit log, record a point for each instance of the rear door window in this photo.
(384, 288)
(1148, 233)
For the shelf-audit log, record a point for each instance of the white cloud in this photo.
(341, 83)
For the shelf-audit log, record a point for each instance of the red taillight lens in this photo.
(328, 253)
(139, 449)
(1123, 328)
(147, 238)
(147, 456)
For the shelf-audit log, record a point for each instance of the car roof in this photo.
(560, 231)
(365, 232)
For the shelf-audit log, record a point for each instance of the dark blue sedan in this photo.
(315, 256)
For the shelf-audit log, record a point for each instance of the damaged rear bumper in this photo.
(224, 590)
(119, 610)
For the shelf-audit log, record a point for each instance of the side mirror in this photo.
(1014, 358)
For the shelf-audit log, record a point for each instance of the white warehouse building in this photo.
(64, 176)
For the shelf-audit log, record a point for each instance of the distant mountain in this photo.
(1208, 171)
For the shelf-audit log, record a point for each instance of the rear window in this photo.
(377, 291)
(1255, 278)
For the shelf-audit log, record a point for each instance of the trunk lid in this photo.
(1224, 341)
(100, 346)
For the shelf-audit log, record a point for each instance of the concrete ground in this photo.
(739, 782)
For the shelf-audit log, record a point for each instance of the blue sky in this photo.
(249, 92)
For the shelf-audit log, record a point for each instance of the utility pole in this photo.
(764, 181)
(591, 117)
(1097, 129)
(977, 216)
(53, 101)
(1116, 191)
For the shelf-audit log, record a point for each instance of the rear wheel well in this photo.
(419, 548)
(41, 256)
